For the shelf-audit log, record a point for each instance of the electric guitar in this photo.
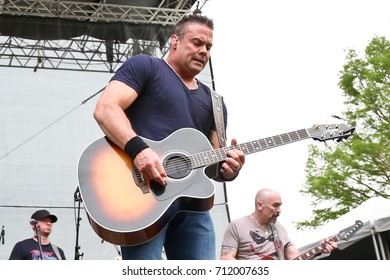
(125, 208)
(344, 234)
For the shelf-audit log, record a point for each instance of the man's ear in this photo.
(174, 40)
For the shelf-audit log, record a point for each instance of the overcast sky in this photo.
(277, 65)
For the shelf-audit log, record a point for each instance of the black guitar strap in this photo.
(277, 243)
(218, 117)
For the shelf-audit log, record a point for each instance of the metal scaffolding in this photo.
(86, 35)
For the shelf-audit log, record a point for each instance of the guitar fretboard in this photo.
(316, 249)
(217, 155)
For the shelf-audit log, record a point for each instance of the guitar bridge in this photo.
(140, 181)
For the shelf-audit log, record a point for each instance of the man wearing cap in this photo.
(38, 247)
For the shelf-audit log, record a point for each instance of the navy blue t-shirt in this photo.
(164, 103)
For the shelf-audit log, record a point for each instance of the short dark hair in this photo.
(181, 25)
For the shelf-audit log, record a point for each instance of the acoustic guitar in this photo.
(125, 208)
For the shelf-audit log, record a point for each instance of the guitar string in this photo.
(192, 158)
(238, 146)
(184, 166)
(179, 165)
(222, 152)
(204, 161)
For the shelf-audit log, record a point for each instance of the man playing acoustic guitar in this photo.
(259, 236)
(152, 98)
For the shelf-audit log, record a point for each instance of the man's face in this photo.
(194, 48)
(45, 226)
(271, 208)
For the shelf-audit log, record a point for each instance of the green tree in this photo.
(342, 176)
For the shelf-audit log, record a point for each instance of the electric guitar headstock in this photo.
(348, 232)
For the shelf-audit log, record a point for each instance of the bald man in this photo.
(259, 236)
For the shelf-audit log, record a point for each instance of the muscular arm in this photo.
(109, 114)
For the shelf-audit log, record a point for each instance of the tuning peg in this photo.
(340, 139)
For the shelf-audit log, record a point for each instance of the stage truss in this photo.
(85, 35)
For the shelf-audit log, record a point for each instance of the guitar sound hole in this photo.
(177, 166)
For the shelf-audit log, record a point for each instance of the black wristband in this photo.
(134, 146)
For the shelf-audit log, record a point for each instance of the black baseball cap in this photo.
(41, 214)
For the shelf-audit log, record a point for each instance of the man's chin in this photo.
(197, 66)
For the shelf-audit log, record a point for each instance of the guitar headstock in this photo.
(324, 132)
(347, 233)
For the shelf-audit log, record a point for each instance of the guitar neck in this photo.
(316, 249)
(217, 155)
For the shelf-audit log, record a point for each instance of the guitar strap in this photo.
(56, 251)
(218, 117)
(277, 243)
